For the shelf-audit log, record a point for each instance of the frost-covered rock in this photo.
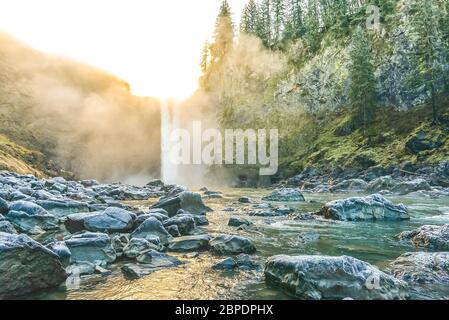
(187, 201)
(231, 245)
(374, 207)
(422, 267)
(323, 277)
(27, 266)
(429, 237)
(286, 195)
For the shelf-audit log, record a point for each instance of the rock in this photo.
(4, 207)
(135, 271)
(7, 227)
(226, 264)
(29, 208)
(155, 259)
(237, 222)
(429, 237)
(189, 243)
(111, 220)
(422, 267)
(374, 207)
(174, 231)
(119, 242)
(62, 251)
(61, 208)
(188, 201)
(184, 222)
(138, 246)
(245, 200)
(380, 184)
(335, 278)
(247, 262)
(276, 212)
(91, 247)
(201, 220)
(152, 227)
(286, 195)
(26, 266)
(83, 268)
(308, 237)
(155, 183)
(407, 187)
(34, 222)
(231, 245)
(424, 140)
(350, 185)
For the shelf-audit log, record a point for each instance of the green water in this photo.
(373, 242)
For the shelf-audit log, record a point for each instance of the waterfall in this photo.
(167, 169)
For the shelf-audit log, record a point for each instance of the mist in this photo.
(89, 122)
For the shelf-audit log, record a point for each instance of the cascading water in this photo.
(168, 168)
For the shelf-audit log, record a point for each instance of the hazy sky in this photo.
(155, 45)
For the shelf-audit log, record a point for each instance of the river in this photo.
(373, 242)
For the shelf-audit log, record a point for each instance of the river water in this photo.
(373, 242)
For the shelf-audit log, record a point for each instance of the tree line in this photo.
(279, 23)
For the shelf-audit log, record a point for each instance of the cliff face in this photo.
(58, 115)
(323, 83)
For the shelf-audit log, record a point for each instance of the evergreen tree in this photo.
(295, 25)
(205, 57)
(278, 7)
(362, 91)
(429, 53)
(223, 34)
(312, 34)
(264, 23)
(249, 21)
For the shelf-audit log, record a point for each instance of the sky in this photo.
(155, 45)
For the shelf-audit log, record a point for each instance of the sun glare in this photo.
(154, 45)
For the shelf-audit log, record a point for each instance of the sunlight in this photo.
(154, 45)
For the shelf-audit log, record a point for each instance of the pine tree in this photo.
(362, 91)
(278, 7)
(429, 55)
(312, 34)
(264, 23)
(205, 57)
(248, 24)
(295, 25)
(224, 33)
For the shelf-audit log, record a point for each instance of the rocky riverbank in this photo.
(75, 229)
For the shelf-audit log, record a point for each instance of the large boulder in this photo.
(322, 277)
(407, 187)
(374, 207)
(187, 201)
(422, 268)
(91, 247)
(64, 207)
(189, 244)
(156, 259)
(185, 223)
(429, 237)
(285, 195)
(350, 185)
(31, 218)
(152, 227)
(381, 184)
(111, 220)
(424, 140)
(231, 245)
(27, 266)
(137, 246)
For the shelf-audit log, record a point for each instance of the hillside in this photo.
(293, 68)
(60, 117)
